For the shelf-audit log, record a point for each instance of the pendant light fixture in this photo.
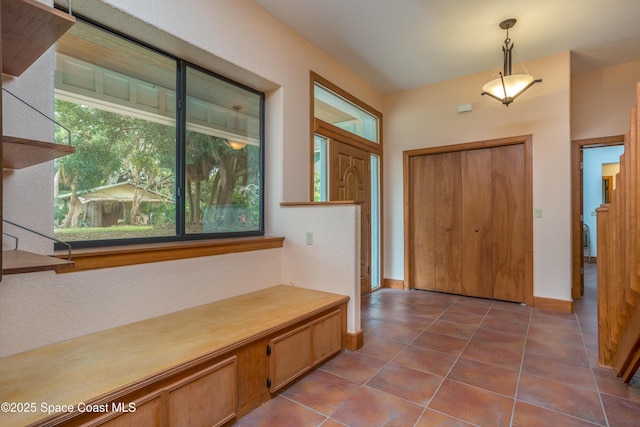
(508, 86)
(236, 145)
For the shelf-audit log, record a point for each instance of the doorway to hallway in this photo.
(590, 190)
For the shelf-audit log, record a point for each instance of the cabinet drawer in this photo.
(143, 412)
(206, 398)
(294, 353)
(290, 357)
(326, 337)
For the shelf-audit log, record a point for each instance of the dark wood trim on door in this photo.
(577, 244)
(527, 141)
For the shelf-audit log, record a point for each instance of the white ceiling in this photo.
(397, 45)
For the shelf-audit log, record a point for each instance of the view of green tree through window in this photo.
(153, 161)
(223, 155)
(120, 181)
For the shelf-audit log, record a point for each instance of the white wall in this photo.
(234, 38)
(327, 264)
(427, 117)
(43, 308)
(23, 189)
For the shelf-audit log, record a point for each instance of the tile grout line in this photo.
(594, 423)
(307, 408)
(591, 368)
(388, 363)
(454, 362)
(524, 349)
(426, 406)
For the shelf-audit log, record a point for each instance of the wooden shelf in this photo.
(29, 29)
(20, 153)
(16, 262)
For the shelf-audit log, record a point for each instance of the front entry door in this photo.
(350, 180)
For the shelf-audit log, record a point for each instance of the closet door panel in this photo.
(477, 255)
(422, 224)
(448, 233)
(508, 222)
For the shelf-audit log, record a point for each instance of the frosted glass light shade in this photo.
(237, 145)
(514, 85)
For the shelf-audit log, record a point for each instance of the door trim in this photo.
(527, 141)
(338, 150)
(577, 250)
(320, 127)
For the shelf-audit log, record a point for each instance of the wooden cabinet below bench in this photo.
(294, 353)
(203, 366)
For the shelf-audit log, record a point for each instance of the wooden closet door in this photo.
(422, 223)
(447, 214)
(508, 199)
(477, 278)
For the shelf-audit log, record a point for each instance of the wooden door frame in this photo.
(577, 235)
(330, 131)
(527, 141)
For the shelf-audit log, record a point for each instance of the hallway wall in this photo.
(427, 117)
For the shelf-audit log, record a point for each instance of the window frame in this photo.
(180, 196)
(327, 130)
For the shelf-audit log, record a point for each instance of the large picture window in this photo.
(165, 150)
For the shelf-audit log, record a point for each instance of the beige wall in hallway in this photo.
(428, 117)
(601, 101)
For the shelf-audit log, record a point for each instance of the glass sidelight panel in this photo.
(320, 168)
(375, 222)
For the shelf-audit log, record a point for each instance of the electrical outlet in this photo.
(537, 212)
(309, 238)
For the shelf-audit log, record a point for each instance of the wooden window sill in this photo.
(118, 256)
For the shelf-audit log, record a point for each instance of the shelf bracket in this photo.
(42, 114)
(15, 239)
(39, 234)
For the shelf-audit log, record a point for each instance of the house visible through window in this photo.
(165, 150)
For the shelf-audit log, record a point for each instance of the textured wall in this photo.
(234, 38)
(601, 101)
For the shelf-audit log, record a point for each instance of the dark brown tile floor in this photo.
(433, 359)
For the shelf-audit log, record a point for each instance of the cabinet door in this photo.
(421, 223)
(290, 357)
(326, 337)
(448, 233)
(477, 278)
(508, 222)
(206, 398)
(143, 412)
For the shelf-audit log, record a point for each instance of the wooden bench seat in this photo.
(216, 354)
